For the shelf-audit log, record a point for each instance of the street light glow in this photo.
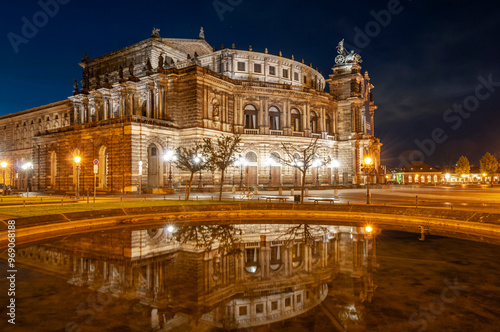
(368, 161)
(447, 176)
(368, 229)
(27, 165)
(334, 164)
(77, 159)
(3, 164)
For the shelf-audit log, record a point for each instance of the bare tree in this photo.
(221, 154)
(191, 160)
(307, 157)
(208, 237)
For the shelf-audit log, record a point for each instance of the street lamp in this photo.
(77, 161)
(241, 162)
(335, 165)
(368, 166)
(447, 177)
(140, 177)
(26, 167)
(317, 163)
(270, 162)
(4, 166)
(197, 159)
(169, 157)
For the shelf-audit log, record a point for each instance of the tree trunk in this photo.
(221, 184)
(189, 188)
(303, 185)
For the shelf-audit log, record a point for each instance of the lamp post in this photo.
(169, 157)
(317, 163)
(269, 162)
(140, 177)
(4, 166)
(335, 165)
(368, 164)
(197, 159)
(77, 161)
(27, 167)
(242, 162)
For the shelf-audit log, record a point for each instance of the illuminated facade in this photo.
(136, 103)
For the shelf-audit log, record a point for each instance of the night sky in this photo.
(428, 60)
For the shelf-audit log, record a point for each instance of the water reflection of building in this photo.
(226, 276)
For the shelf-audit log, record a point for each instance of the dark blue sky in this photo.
(423, 58)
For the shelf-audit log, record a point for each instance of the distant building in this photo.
(138, 102)
(418, 172)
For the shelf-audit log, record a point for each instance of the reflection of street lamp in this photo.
(169, 157)
(77, 161)
(368, 166)
(4, 166)
(447, 177)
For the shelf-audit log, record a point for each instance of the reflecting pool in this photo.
(255, 277)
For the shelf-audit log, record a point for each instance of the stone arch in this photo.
(154, 164)
(251, 170)
(314, 122)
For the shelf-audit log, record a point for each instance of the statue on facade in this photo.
(160, 61)
(131, 68)
(155, 33)
(120, 72)
(85, 57)
(344, 56)
(75, 86)
(202, 34)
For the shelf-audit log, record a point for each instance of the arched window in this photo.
(250, 113)
(295, 120)
(275, 157)
(313, 122)
(328, 125)
(251, 157)
(274, 118)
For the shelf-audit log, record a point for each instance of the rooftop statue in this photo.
(156, 32)
(202, 34)
(344, 56)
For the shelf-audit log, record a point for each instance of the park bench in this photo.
(280, 199)
(316, 200)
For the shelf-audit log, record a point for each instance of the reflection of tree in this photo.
(223, 237)
(307, 234)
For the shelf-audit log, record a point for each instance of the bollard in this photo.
(179, 197)
(24, 203)
(281, 191)
(306, 194)
(62, 202)
(196, 197)
(256, 191)
(233, 198)
(164, 197)
(234, 190)
(335, 193)
(292, 192)
(212, 197)
(121, 198)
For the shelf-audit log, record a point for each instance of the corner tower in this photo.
(355, 113)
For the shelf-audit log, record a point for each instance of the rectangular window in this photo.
(257, 67)
(305, 80)
(299, 298)
(285, 73)
(272, 70)
(241, 66)
(274, 305)
(259, 308)
(243, 311)
(296, 76)
(288, 302)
